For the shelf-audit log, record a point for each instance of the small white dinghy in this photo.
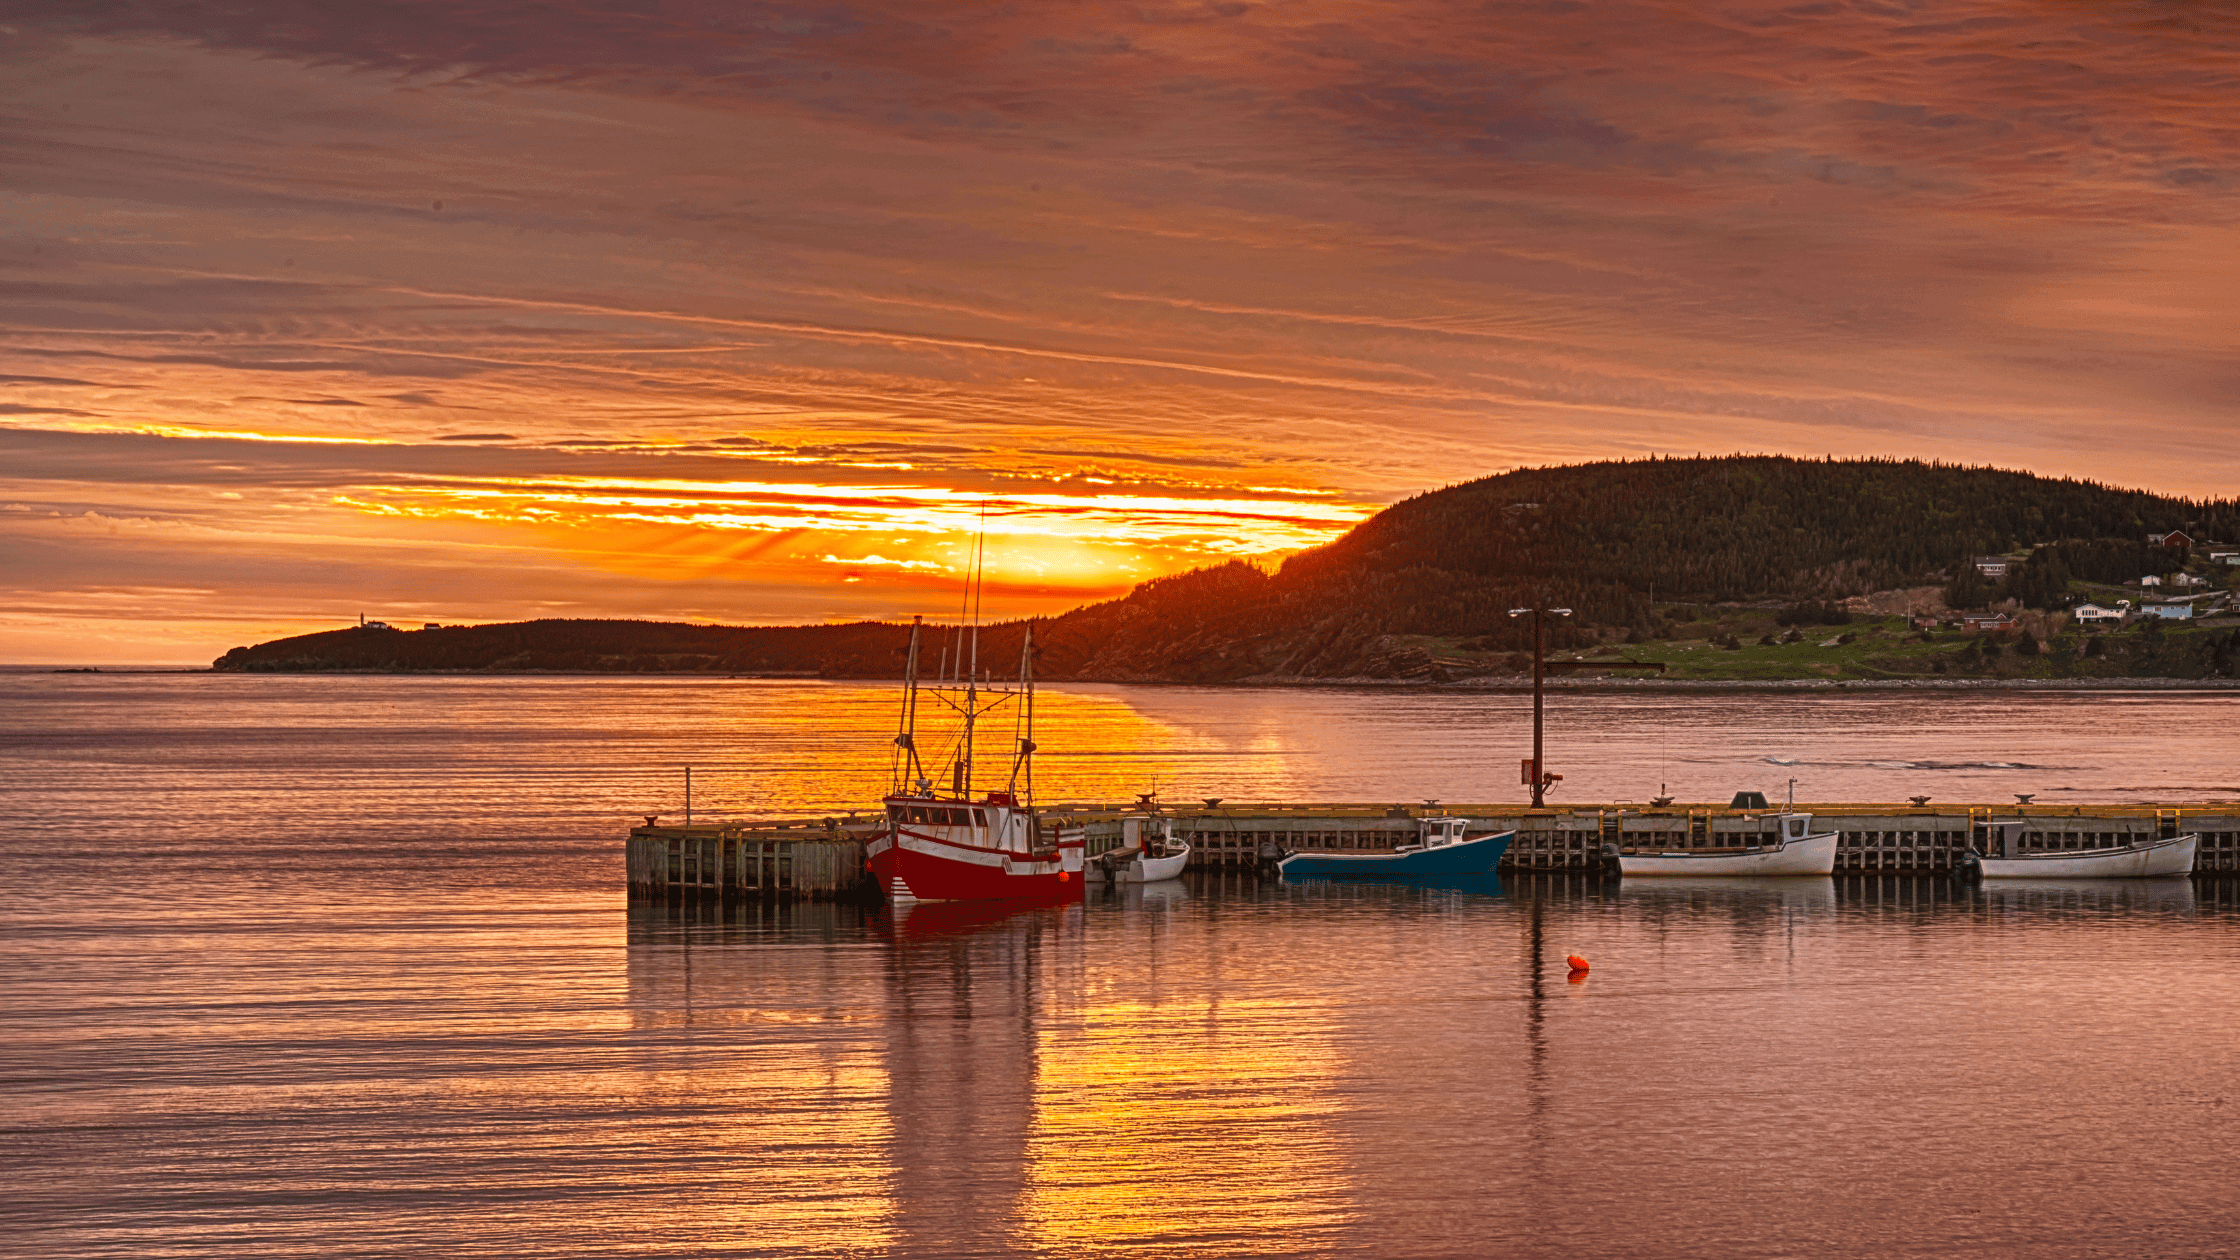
(2140, 861)
(1148, 862)
(1793, 850)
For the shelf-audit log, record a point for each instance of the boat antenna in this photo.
(1792, 796)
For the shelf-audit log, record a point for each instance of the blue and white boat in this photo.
(1443, 850)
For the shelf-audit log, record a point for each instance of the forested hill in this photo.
(1605, 539)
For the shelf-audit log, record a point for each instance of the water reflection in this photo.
(2169, 895)
(1743, 894)
(963, 983)
(752, 1045)
(1419, 889)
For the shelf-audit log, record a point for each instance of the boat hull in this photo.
(1143, 870)
(1468, 857)
(1813, 855)
(913, 867)
(2169, 857)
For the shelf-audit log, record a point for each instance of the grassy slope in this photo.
(1884, 648)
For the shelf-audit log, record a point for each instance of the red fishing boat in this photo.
(958, 845)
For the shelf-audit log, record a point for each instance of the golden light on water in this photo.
(1146, 1127)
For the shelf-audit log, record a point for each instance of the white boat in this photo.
(2140, 861)
(1148, 861)
(1794, 850)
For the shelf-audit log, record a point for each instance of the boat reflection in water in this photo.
(1351, 888)
(1785, 892)
(962, 987)
(1049, 1098)
(2171, 894)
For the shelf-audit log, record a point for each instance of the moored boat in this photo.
(2173, 856)
(1794, 850)
(1443, 849)
(1148, 861)
(956, 846)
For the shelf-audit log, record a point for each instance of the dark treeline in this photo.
(1609, 541)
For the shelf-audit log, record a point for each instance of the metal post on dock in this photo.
(1540, 614)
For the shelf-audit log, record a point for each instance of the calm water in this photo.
(340, 967)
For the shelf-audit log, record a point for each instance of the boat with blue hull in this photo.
(1443, 851)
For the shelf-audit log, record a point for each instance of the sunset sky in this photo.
(482, 310)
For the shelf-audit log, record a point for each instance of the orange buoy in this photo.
(1577, 963)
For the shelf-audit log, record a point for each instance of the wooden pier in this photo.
(812, 859)
(1876, 837)
(800, 859)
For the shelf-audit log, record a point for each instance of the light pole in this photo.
(1538, 775)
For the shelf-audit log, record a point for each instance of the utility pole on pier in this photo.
(1536, 774)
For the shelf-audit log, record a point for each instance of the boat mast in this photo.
(1022, 763)
(975, 586)
(906, 740)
